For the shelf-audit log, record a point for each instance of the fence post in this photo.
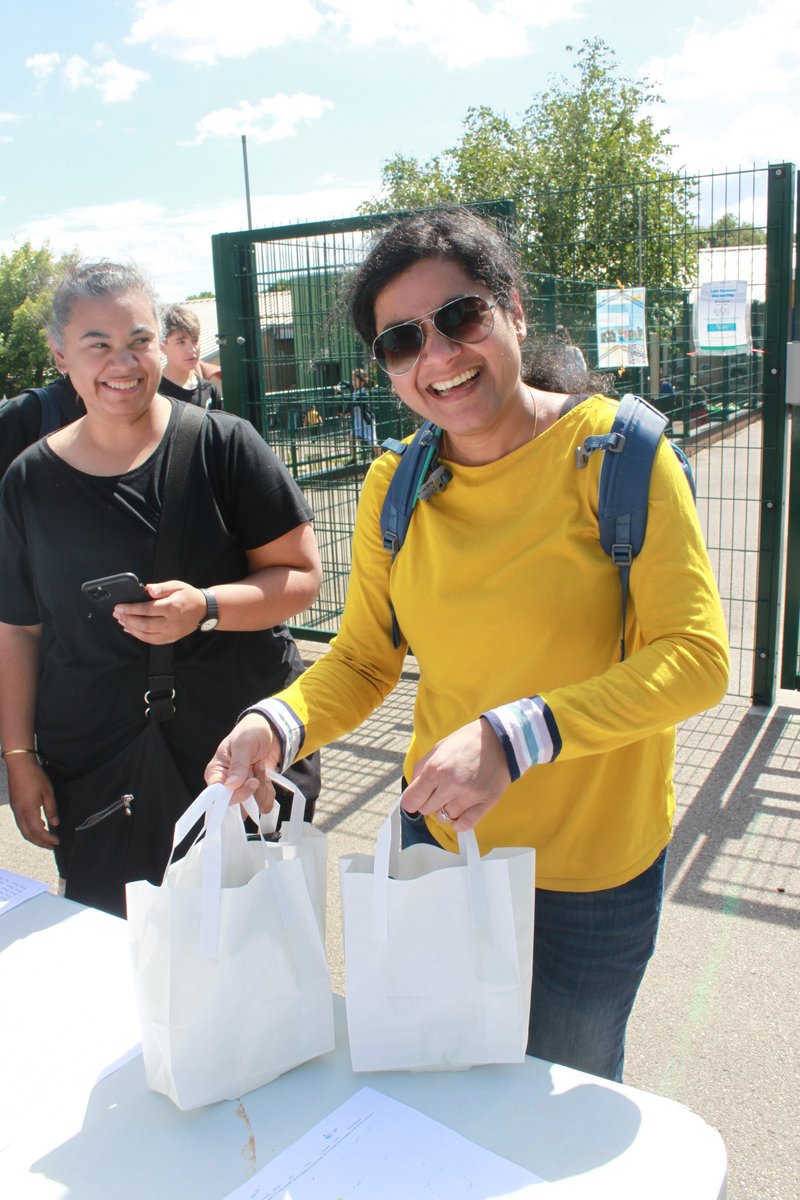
(780, 204)
(229, 319)
(791, 615)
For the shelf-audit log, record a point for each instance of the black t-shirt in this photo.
(21, 418)
(204, 394)
(60, 527)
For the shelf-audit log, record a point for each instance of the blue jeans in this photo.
(590, 952)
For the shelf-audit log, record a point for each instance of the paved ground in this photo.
(716, 1023)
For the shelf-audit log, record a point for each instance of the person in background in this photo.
(527, 726)
(86, 503)
(363, 416)
(573, 355)
(34, 413)
(212, 371)
(182, 377)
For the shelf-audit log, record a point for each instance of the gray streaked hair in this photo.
(90, 280)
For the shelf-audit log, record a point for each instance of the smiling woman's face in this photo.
(470, 390)
(111, 352)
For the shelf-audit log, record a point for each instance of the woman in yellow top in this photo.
(527, 726)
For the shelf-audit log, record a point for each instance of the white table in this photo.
(115, 1138)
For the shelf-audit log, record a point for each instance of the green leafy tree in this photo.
(27, 280)
(729, 230)
(587, 166)
(201, 296)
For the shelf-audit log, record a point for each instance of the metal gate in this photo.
(287, 356)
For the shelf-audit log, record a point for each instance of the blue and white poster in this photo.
(722, 319)
(621, 330)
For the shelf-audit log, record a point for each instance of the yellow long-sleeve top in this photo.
(503, 591)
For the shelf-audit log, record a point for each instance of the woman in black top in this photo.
(86, 503)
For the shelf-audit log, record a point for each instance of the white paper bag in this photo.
(438, 957)
(229, 963)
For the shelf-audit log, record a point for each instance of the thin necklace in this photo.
(446, 451)
(535, 412)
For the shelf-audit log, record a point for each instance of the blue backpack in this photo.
(629, 450)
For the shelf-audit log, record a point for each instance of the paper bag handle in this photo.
(468, 849)
(212, 804)
(294, 826)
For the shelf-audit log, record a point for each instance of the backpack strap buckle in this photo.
(437, 481)
(613, 443)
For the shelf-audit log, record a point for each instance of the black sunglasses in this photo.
(466, 320)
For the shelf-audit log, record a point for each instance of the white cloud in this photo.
(759, 56)
(197, 31)
(112, 79)
(762, 133)
(736, 78)
(175, 246)
(460, 33)
(7, 116)
(42, 65)
(76, 72)
(116, 81)
(5, 138)
(271, 118)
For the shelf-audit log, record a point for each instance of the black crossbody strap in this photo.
(160, 694)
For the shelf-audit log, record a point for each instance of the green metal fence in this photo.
(287, 357)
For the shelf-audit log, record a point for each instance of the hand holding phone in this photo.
(111, 590)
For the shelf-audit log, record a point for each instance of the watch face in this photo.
(209, 624)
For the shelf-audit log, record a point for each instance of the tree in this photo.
(27, 280)
(201, 296)
(588, 168)
(729, 230)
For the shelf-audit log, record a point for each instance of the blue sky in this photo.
(121, 120)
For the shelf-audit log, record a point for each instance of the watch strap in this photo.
(212, 608)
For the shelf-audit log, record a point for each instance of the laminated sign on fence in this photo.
(621, 328)
(722, 319)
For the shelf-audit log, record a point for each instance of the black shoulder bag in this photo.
(117, 821)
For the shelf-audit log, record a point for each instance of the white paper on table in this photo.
(375, 1146)
(69, 1017)
(14, 889)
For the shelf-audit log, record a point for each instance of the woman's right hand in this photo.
(242, 758)
(30, 794)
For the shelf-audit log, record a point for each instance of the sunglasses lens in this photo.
(467, 320)
(397, 349)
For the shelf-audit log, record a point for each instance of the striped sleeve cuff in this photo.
(290, 729)
(527, 732)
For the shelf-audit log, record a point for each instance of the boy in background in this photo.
(182, 376)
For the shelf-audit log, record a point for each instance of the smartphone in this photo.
(115, 589)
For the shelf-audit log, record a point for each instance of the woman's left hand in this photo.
(465, 774)
(176, 610)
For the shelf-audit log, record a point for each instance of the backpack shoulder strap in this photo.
(160, 695)
(419, 476)
(51, 418)
(625, 477)
(629, 452)
(410, 483)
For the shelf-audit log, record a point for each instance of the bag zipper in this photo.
(125, 801)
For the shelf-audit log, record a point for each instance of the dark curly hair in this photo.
(461, 236)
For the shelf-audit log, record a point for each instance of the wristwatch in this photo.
(211, 619)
